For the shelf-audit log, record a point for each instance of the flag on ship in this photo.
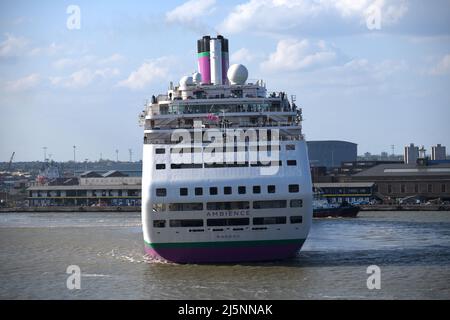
(213, 117)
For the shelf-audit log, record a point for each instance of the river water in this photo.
(412, 250)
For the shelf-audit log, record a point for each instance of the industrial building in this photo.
(113, 188)
(425, 180)
(331, 153)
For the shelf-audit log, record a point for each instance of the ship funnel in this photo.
(213, 60)
(203, 53)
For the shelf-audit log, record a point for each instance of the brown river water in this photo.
(412, 250)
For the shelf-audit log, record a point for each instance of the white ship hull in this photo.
(246, 232)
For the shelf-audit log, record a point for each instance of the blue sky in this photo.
(375, 86)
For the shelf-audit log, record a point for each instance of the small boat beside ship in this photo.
(336, 211)
(323, 209)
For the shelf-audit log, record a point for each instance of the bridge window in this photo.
(241, 190)
(160, 166)
(271, 189)
(198, 191)
(213, 191)
(160, 151)
(293, 188)
(292, 162)
(256, 189)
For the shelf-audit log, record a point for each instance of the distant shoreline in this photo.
(381, 207)
(80, 209)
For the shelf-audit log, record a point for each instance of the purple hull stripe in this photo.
(225, 254)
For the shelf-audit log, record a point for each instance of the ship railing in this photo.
(163, 140)
(207, 125)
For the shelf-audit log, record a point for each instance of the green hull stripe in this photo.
(203, 54)
(222, 244)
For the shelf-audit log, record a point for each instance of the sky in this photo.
(373, 72)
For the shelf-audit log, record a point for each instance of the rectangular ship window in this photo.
(241, 190)
(213, 191)
(227, 190)
(183, 191)
(193, 206)
(296, 219)
(186, 166)
(161, 192)
(198, 191)
(269, 220)
(186, 223)
(294, 188)
(228, 222)
(271, 189)
(290, 147)
(292, 162)
(296, 203)
(231, 205)
(160, 151)
(269, 204)
(159, 223)
(160, 166)
(159, 207)
(256, 189)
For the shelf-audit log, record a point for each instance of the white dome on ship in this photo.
(237, 74)
(186, 81)
(197, 77)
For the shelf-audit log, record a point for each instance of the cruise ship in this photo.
(225, 167)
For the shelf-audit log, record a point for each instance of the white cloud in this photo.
(87, 61)
(148, 72)
(84, 77)
(442, 66)
(293, 54)
(12, 46)
(191, 10)
(242, 55)
(51, 49)
(357, 73)
(279, 15)
(114, 58)
(24, 83)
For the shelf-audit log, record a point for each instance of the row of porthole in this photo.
(227, 190)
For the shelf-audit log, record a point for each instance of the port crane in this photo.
(10, 161)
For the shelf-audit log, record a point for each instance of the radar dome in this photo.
(197, 77)
(237, 74)
(186, 81)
